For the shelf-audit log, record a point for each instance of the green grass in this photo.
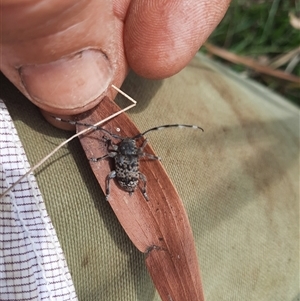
(259, 29)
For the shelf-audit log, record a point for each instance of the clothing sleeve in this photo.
(32, 264)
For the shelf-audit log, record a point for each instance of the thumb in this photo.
(161, 37)
(61, 54)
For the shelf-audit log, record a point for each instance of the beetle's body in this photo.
(126, 155)
(127, 164)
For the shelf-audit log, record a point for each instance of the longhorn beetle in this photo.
(126, 155)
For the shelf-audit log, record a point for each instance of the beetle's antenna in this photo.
(162, 127)
(88, 126)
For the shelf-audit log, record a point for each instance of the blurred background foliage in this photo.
(259, 36)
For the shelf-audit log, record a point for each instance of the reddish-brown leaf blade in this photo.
(160, 227)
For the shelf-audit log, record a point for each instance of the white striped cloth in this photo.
(32, 264)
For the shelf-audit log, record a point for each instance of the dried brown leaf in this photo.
(160, 227)
(251, 63)
(294, 21)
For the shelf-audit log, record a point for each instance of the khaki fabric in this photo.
(239, 181)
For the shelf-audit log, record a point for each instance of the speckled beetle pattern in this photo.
(126, 155)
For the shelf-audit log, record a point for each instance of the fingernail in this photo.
(69, 83)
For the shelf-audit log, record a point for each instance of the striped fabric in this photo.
(32, 264)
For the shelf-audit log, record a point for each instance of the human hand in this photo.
(64, 55)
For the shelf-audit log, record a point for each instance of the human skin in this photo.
(64, 55)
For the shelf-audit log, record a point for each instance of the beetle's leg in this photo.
(114, 147)
(110, 176)
(151, 157)
(144, 188)
(142, 154)
(144, 144)
(109, 155)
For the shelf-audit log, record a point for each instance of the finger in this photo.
(161, 37)
(63, 55)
